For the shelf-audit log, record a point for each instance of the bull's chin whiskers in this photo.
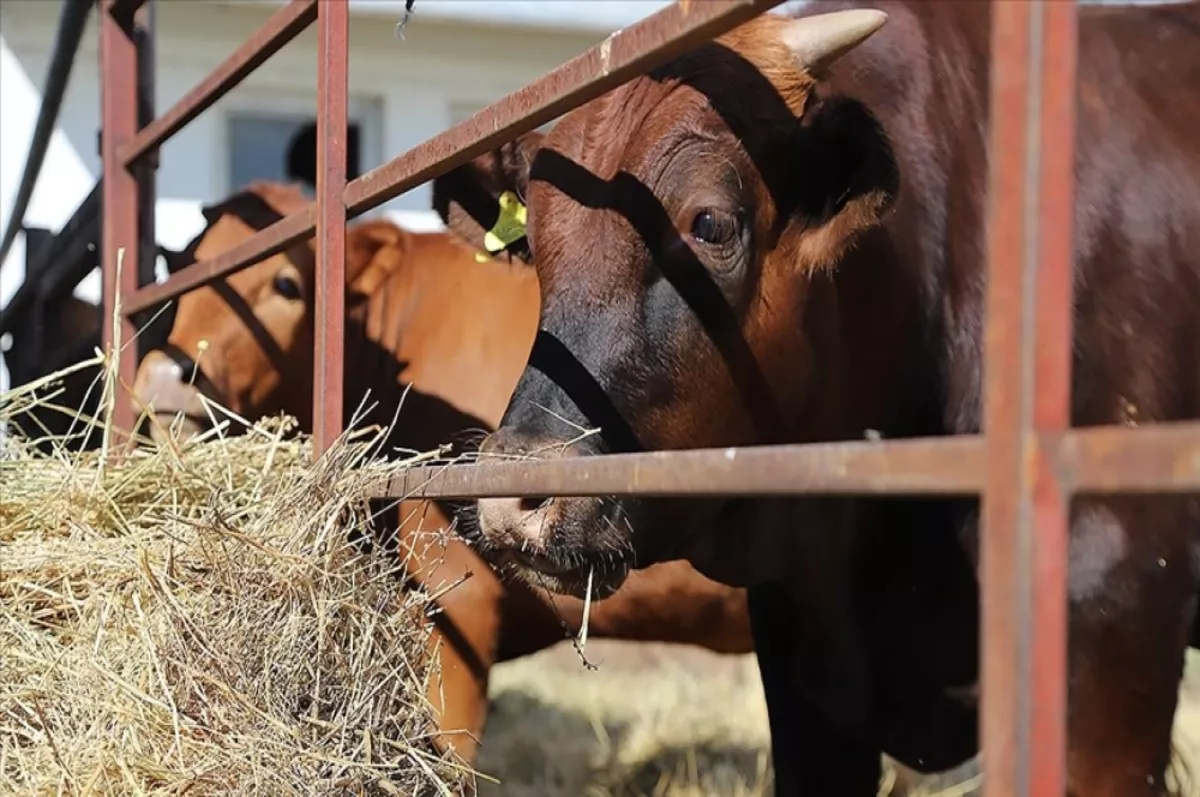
(622, 546)
(630, 549)
(616, 548)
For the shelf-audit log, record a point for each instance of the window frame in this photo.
(364, 109)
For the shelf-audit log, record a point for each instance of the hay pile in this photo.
(194, 620)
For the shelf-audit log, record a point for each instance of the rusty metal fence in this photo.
(1025, 467)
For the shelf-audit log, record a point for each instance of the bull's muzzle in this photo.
(164, 386)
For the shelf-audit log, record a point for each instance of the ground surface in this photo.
(669, 721)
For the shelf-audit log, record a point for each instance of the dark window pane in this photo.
(259, 146)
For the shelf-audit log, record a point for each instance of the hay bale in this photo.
(195, 620)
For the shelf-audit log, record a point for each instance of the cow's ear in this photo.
(844, 170)
(214, 211)
(374, 249)
(468, 199)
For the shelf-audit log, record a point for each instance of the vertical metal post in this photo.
(1027, 392)
(333, 82)
(118, 97)
(145, 171)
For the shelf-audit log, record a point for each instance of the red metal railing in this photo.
(1026, 465)
(1030, 256)
(333, 81)
(119, 197)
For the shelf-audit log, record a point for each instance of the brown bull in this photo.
(780, 237)
(422, 311)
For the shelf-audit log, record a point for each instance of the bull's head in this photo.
(682, 228)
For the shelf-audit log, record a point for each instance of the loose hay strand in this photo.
(587, 610)
(193, 618)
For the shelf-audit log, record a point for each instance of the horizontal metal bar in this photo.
(649, 43)
(940, 465)
(283, 26)
(654, 40)
(1155, 458)
(261, 245)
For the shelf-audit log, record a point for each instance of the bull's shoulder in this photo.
(1142, 62)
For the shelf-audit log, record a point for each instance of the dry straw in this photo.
(192, 620)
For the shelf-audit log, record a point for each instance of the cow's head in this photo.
(683, 227)
(246, 340)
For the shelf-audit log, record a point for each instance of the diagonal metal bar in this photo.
(283, 26)
(644, 45)
(625, 54)
(269, 241)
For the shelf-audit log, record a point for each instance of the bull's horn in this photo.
(821, 39)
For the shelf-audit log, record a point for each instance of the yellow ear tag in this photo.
(509, 227)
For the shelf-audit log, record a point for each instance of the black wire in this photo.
(408, 10)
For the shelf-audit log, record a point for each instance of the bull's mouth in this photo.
(582, 548)
(583, 575)
(539, 562)
(173, 389)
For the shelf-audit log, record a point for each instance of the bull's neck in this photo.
(917, 283)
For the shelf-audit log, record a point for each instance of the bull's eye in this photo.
(287, 287)
(714, 227)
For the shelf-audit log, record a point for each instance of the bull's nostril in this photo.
(534, 504)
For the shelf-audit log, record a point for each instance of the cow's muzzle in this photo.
(168, 385)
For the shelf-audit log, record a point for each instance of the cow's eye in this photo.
(714, 227)
(287, 287)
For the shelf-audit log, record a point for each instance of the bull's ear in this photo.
(843, 170)
(374, 249)
(236, 202)
(213, 212)
(468, 198)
